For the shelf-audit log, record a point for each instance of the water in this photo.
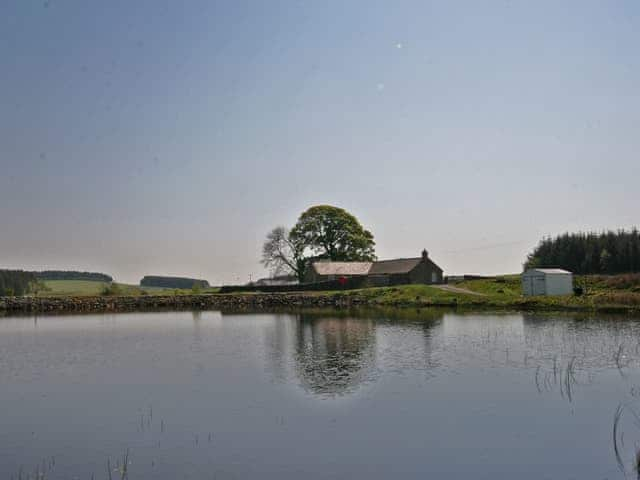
(328, 395)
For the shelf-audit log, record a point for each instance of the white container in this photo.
(547, 281)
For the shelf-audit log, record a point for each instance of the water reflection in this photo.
(334, 355)
(334, 352)
(390, 384)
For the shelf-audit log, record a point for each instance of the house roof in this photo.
(382, 267)
(277, 280)
(342, 268)
(551, 270)
(400, 265)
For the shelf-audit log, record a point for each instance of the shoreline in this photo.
(266, 301)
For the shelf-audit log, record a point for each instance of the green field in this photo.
(600, 291)
(409, 294)
(620, 292)
(88, 288)
(72, 288)
(614, 292)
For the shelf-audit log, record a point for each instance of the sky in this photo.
(166, 137)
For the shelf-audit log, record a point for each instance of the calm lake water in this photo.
(320, 396)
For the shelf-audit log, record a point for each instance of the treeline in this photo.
(589, 253)
(173, 282)
(73, 275)
(15, 282)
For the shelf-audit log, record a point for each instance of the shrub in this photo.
(111, 290)
(578, 291)
(628, 280)
(38, 287)
(618, 298)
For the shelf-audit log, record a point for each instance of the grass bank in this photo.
(602, 293)
(616, 293)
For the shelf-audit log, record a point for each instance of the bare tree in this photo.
(281, 254)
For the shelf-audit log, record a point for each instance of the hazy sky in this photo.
(167, 137)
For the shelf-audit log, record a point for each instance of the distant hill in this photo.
(589, 253)
(172, 282)
(73, 275)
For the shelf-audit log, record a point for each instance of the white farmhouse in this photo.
(547, 281)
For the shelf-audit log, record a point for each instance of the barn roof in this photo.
(342, 268)
(551, 270)
(400, 265)
(382, 267)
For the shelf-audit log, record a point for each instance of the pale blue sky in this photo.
(166, 137)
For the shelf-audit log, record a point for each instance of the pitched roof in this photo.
(551, 270)
(342, 268)
(382, 267)
(400, 265)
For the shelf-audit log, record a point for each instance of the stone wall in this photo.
(349, 283)
(178, 302)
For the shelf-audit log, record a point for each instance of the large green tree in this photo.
(335, 234)
(322, 231)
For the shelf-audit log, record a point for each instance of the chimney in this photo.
(425, 254)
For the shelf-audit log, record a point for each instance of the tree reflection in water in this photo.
(337, 352)
(334, 355)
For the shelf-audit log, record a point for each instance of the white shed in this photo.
(547, 281)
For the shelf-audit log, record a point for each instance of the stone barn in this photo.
(384, 272)
(325, 271)
(405, 271)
